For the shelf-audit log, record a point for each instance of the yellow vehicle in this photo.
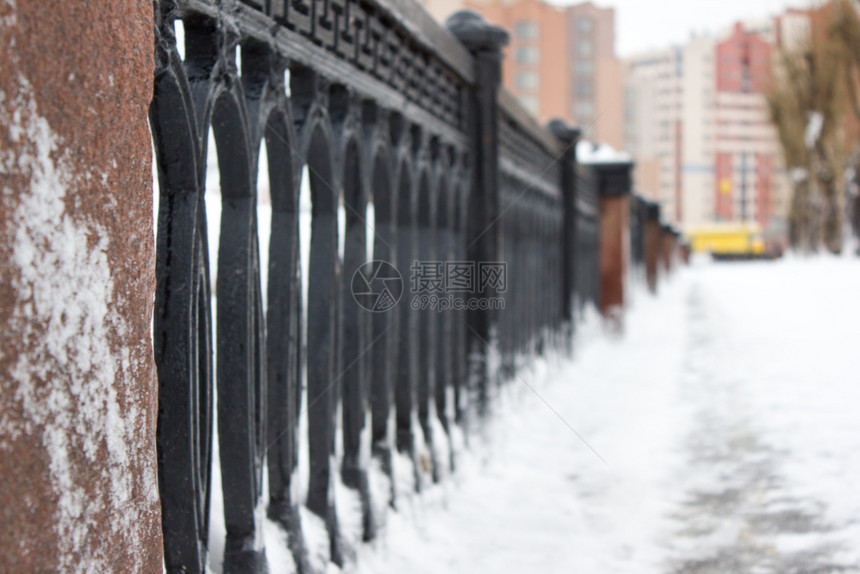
(728, 240)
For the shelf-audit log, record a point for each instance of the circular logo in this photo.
(377, 286)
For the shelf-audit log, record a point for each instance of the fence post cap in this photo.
(564, 132)
(475, 33)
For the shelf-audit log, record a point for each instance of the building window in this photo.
(584, 89)
(527, 55)
(530, 103)
(527, 81)
(584, 68)
(583, 47)
(583, 110)
(584, 25)
(526, 30)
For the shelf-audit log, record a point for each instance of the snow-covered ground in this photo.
(727, 419)
(718, 434)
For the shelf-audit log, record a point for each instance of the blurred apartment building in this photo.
(697, 124)
(560, 62)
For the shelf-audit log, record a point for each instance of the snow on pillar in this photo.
(78, 489)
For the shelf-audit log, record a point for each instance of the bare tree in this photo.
(810, 95)
(846, 28)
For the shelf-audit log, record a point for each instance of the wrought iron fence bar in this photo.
(382, 106)
(513, 110)
(296, 48)
(529, 179)
(427, 32)
(408, 16)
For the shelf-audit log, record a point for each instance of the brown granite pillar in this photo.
(652, 244)
(613, 252)
(675, 253)
(78, 487)
(666, 238)
(614, 189)
(684, 252)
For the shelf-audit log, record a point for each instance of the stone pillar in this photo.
(674, 251)
(652, 244)
(666, 238)
(614, 185)
(485, 43)
(78, 489)
(684, 252)
(681, 248)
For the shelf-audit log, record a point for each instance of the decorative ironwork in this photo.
(587, 256)
(384, 108)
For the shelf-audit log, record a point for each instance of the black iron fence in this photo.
(586, 254)
(531, 220)
(637, 218)
(379, 106)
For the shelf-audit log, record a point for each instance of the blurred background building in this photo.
(694, 116)
(560, 62)
(697, 123)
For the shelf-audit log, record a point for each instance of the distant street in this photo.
(727, 416)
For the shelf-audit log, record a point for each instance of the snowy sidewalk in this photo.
(727, 419)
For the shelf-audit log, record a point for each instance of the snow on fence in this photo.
(285, 403)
